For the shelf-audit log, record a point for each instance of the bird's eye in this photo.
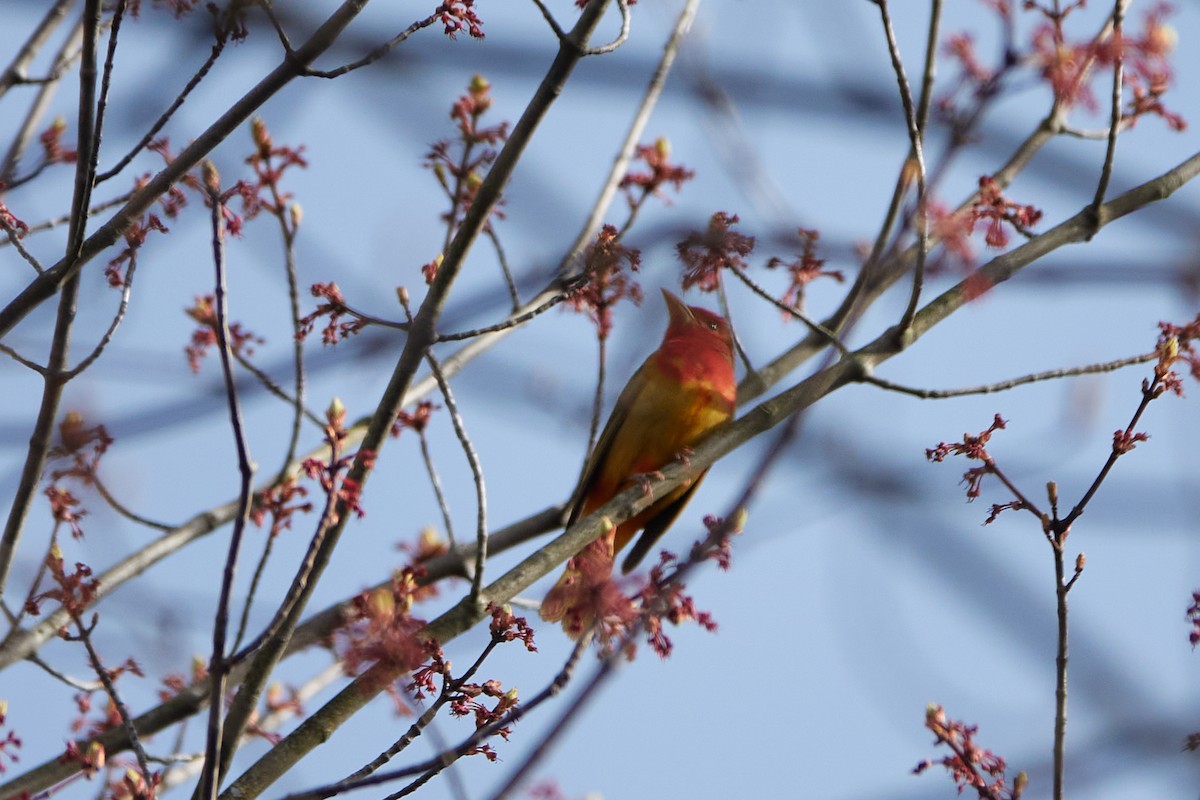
(712, 326)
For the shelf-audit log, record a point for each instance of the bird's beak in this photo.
(680, 313)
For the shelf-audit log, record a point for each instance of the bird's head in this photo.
(697, 326)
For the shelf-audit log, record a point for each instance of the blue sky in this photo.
(863, 588)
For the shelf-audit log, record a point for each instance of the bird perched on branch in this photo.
(682, 391)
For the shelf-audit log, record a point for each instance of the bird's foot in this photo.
(645, 479)
(685, 455)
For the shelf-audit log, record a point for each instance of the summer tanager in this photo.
(682, 391)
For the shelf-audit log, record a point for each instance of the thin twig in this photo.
(816, 327)
(260, 568)
(35, 589)
(481, 537)
(512, 321)
(284, 40)
(1003, 386)
(371, 57)
(1114, 127)
(118, 317)
(217, 48)
(727, 313)
(118, 14)
(1023, 502)
(288, 227)
(210, 774)
(932, 41)
(455, 193)
(14, 238)
(124, 510)
(1095, 134)
(622, 36)
(1060, 673)
(427, 456)
(110, 689)
(502, 258)
(274, 388)
(436, 482)
(1150, 391)
(596, 416)
(20, 359)
(74, 683)
(559, 33)
(917, 151)
(371, 319)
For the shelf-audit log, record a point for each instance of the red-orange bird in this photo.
(682, 391)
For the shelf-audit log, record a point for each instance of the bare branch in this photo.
(817, 328)
(1114, 126)
(371, 57)
(14, 238)
(518, 318)
(604, 49)
(550, 20)
(481, 537)
(160, 123)
(917, 159)
(210, 775)
(118, 317)
(124, 510)
(1003, 386)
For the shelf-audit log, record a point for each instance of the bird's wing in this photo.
(626, 400)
